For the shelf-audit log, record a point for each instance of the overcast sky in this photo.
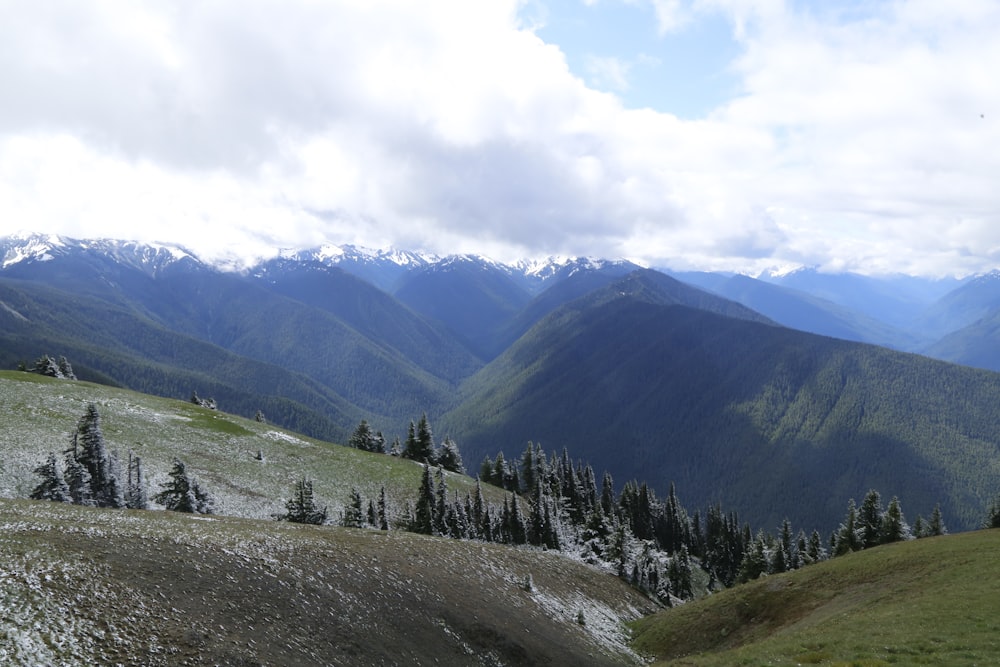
(714, 134)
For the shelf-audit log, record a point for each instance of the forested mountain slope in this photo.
(472, 298)
(767, 420)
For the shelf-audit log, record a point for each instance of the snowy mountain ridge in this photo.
(380, 266)
(25, 247)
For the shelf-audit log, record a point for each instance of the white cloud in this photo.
(856, 141)
(608, 72)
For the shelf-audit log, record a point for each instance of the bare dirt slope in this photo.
(86, 586)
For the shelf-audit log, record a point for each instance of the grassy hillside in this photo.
(81, 586)
(220, 449)
(926, 602)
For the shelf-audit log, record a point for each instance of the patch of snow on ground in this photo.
(601, 622)
(278, 435)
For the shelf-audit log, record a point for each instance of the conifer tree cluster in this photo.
(47, 365)
(871, 525)
(302, 507)
(91, 475)
(355, 514)
(183, 493)
(419, 445)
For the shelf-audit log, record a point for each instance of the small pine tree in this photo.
(46, 365)
(397, 448)
(870, 520)
(77, 477)
(363, 438)
(383, 512)
(53, 485)
(184, 494)
(846, 539)
(894, 526)
(66, 369)
(423, 520)
(354, 516)
(937, 526)
(302, 507)
(449, 458)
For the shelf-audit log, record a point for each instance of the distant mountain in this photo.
(803, 311)
(541, 275)
(976, 345)
(371, 312)
(471, 296)
(896, 300)
(374, 356)
(637, 372)
(762, 418)
(569, 281)
(976, 299)
(382, 268)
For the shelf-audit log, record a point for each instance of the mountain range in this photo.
(775, 396)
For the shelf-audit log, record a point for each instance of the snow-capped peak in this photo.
(26, 246)
(149, 257)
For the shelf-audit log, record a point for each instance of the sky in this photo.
(739, 135)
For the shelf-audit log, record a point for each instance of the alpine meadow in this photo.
(346, 456)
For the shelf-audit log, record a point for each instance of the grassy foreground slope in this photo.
(933, 601)
(82, 586)
(38, 415)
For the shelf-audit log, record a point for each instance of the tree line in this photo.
(550, 501)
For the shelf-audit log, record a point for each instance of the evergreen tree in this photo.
(920, 527)
(420, 442)
(53, 485)
(423, 520)
(680, 575)
(847, 536)
(366, 440)
(301, 507)
(937, 526)
(894, 526)
(608, 496)
(46, 365)
(870, 520)
(182, 493)
(816, 551)
(105, 486)
(755, 563)
(136, 492)
(383, 512)
(372, 514)
(440, 503)
(354, 516)
(77, 477)
(517, 530)
(397, 448)
(486, 470)
(449, 458)
(65, 369)
(528, 466)
(480, 514)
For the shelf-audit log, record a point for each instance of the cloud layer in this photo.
(859, 141)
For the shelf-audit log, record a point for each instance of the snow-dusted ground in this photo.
(86, 586)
